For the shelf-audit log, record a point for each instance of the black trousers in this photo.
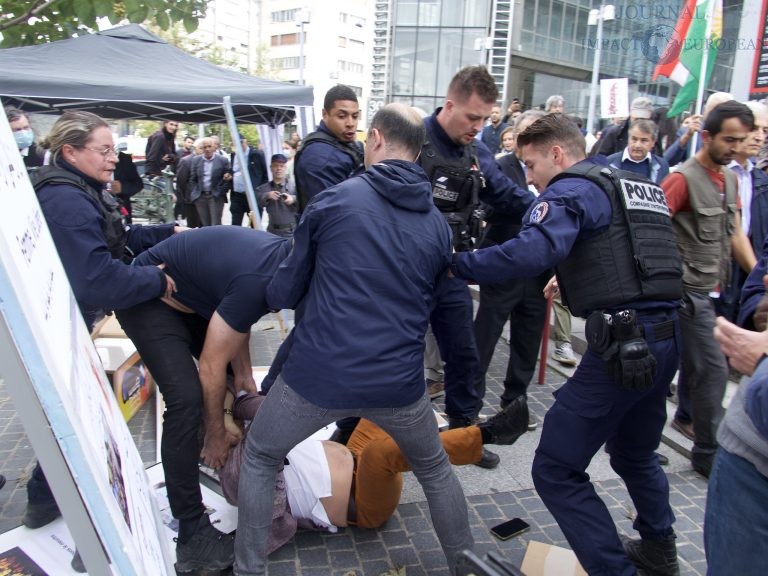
(522, 302)
(238, 207)
(168, 341)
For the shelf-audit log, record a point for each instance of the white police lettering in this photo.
(644, 196)
(440, 190)
(539, 212)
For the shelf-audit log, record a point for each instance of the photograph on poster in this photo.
(15, 562)
(115, 471)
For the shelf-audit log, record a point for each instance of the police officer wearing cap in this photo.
(609, 236)
(464, 172)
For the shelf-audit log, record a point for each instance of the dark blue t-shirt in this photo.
(222, 269)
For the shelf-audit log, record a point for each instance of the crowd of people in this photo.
(642, 234)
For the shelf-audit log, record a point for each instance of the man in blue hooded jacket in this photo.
(367, 256)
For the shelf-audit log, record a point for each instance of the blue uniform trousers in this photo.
(590, 410)
(452, 325)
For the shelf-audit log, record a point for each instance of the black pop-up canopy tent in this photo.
(127, 72)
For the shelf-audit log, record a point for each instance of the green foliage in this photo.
(25, 22)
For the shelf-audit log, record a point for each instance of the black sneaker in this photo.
(653, 557)
(77, 563)
(2, 481)
(208, 549)
(489, 460)
(38, 515)
(508, 425)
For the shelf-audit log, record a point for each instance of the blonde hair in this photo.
(74, 128)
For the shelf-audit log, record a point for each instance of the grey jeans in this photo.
(286, 418)
(706, 373)
(210, 208)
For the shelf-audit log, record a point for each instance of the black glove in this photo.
(635, 366)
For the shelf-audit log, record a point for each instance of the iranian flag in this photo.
(692, 50)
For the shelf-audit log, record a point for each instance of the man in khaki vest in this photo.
(703, 201)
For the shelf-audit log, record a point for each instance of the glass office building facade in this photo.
(546, 47)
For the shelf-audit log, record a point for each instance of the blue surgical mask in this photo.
(24, 138)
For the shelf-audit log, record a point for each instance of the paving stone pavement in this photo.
(406, 544)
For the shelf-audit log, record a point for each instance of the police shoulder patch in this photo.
(539, 212)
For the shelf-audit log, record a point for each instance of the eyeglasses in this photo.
(106, 151)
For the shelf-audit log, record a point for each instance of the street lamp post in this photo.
(303, 18)
(606, 13)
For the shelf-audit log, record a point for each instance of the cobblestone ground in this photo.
(406, 544)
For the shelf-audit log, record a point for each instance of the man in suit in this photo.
(209, 180)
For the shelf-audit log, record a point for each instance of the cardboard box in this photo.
(548, 560)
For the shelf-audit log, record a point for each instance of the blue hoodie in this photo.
(367, 254)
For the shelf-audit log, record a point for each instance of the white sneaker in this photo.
(564, 354)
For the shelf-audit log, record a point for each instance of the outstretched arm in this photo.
(222, 345)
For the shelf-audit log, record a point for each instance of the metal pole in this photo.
(595, 73)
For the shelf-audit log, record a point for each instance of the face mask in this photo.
(24, 138)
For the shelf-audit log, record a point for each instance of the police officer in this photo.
(331, 154)
(609, 236)
(463, 171)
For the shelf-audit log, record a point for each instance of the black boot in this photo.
(489, 460)
(653, 557)
(508, 425)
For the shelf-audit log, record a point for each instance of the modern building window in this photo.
(286, 39)
(284, 15)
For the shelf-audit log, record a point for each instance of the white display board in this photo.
(614, 98)
(62, 395)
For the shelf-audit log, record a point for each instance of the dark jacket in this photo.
(321, 165)
(659, 167)
(98, 280)
(614, 139)
(366, 258)
(257, 167)
(159, 144)
(219, 186)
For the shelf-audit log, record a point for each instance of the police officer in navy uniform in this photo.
(464, 172)
(609, 236)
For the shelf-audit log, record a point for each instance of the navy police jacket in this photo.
(366, 258)
(98, 280)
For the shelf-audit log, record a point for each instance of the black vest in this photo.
(113, 224)
(350, 148)
(634, 259)
(455, 187)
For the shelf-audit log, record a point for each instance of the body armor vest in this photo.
(634, 259)
(113, 224)
(350, 148)
(455, 188)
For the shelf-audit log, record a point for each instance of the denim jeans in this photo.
(286, 418)
(735, 522)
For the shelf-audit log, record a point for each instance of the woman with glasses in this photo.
(94, 244)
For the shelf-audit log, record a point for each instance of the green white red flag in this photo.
(692, 50)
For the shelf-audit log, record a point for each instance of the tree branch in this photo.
(36, 9)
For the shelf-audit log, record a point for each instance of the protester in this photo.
(617, 396)
(638, 156)
(351, 267)
(703, 200)
(491, 134)
(615, 138)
